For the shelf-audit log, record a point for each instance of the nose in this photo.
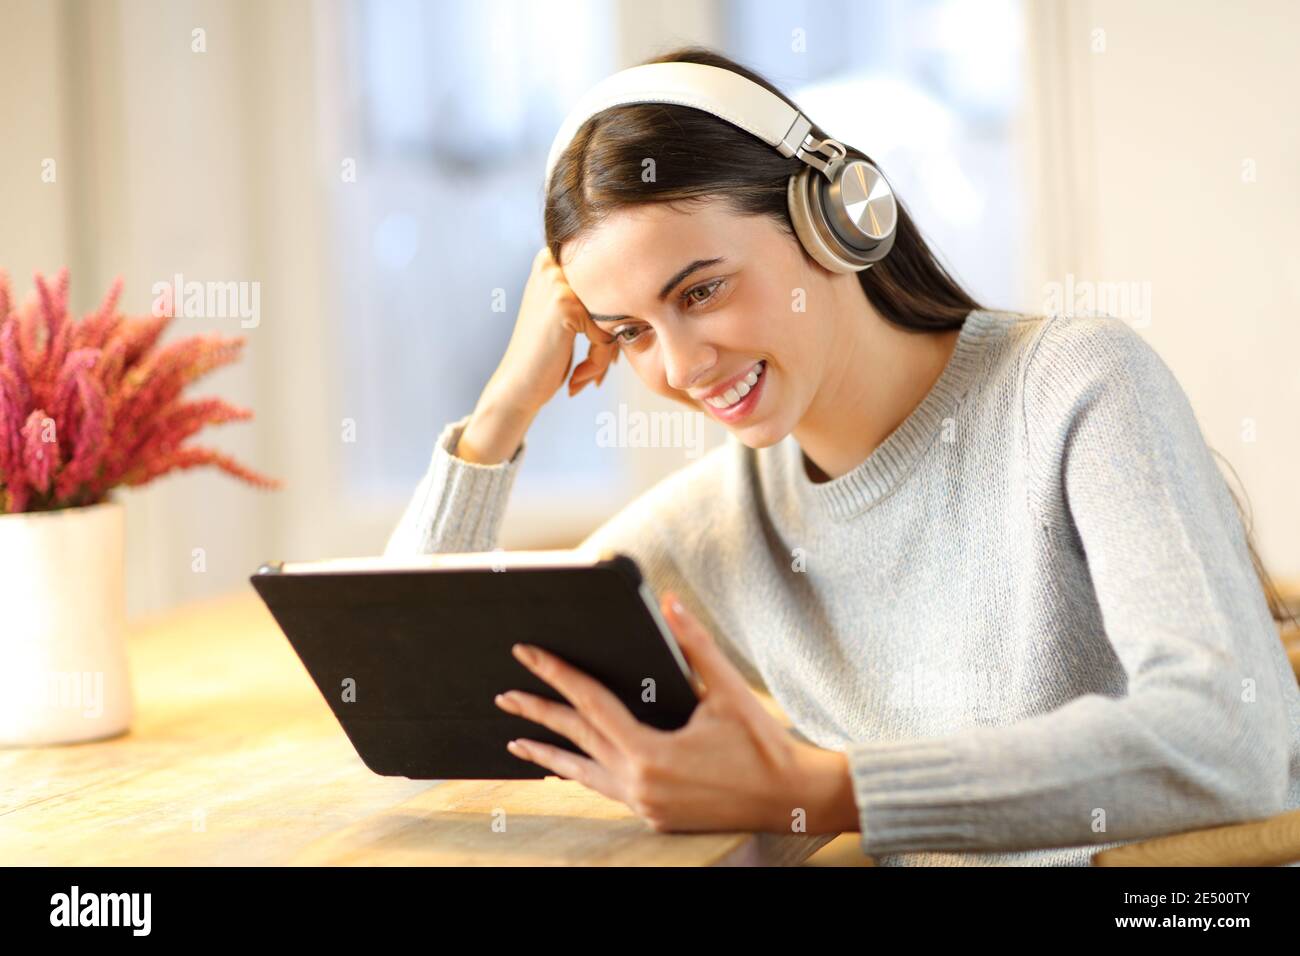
(685, 359)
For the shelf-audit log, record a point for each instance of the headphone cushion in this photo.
(806, 225)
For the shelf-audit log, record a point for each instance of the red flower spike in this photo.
(40, 449)
(88, 405)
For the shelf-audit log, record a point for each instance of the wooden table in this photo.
(234, 759)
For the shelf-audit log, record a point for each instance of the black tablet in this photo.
(409, 653)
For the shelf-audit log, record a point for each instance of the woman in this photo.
(985, 562)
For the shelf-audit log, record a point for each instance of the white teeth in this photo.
(739, 390)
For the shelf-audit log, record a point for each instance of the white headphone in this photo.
(842, 208)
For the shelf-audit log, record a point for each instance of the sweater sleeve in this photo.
(1117, 464)
(458, 506)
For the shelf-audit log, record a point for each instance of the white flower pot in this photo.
(62, 626)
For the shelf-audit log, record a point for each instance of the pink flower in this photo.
(86, 406)
(40, 450)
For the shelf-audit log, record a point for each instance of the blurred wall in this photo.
(1167, 151)
(34, 222)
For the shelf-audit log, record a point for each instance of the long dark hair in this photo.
(698, 156)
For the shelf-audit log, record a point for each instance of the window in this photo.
(930, 90)
(458, 105)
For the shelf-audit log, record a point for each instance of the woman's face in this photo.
(753, 310)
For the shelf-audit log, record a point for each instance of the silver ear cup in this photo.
(860, 206)
(846, 223)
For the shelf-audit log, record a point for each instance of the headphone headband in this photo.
(842, 208)
(723, 93)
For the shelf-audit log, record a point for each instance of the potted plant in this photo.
(85, 407)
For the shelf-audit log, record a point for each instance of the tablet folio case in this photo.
(409, 660)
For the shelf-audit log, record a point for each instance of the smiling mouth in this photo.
(737, 392)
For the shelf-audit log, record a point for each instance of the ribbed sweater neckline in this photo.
(890, 462)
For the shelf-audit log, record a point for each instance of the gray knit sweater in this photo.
(1029, 617)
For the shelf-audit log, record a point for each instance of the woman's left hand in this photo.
(733, 766)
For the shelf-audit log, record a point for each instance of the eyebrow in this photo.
(668, 286)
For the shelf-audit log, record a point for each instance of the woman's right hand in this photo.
(538, 358)
(536, 363)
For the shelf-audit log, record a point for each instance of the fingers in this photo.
(603, 348)
(702, 652)
(615, 350)
(561, 718)
(589, 697)
(596, 365)
(565, 764)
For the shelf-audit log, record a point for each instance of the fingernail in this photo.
(677, 606)
(506, 703)
(525, 654)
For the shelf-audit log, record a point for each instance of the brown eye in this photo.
(709, 287)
